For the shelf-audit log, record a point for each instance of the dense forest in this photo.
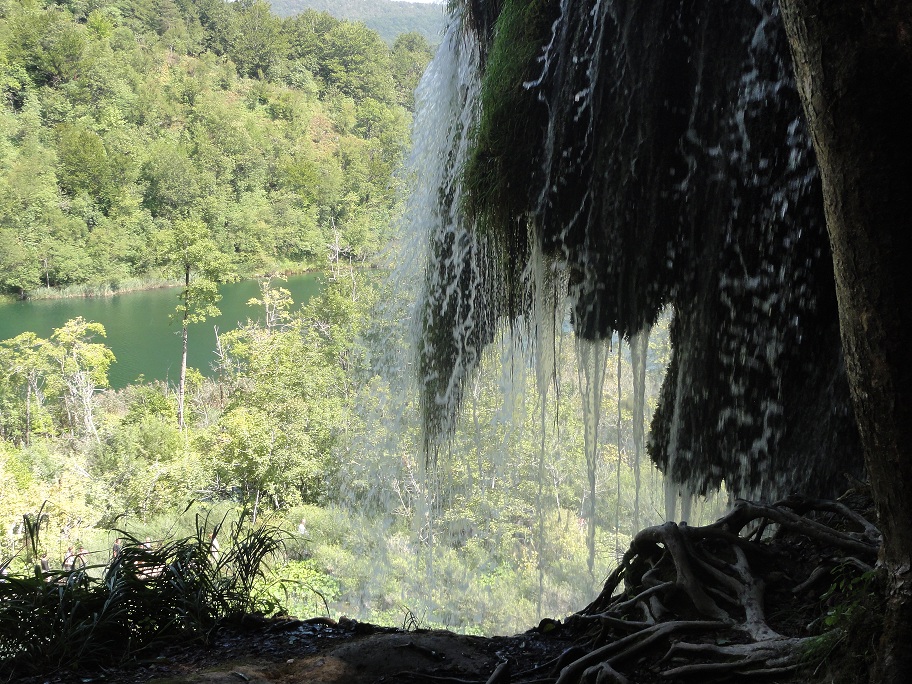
(195, 141)
(122, 120)
(389, 18)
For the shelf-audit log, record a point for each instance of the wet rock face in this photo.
(667, 162)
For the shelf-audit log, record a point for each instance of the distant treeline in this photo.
(280, 135)
(388, 18)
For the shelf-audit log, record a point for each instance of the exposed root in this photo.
(603, 673)
(501, 674)
(624, 648)
(693, 603)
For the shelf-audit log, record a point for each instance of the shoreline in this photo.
(107, 289)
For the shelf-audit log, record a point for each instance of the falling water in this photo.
(592, 357)
(639, 347)
(662, 160)
(525, 424)
(668, 170)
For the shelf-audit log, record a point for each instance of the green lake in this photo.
(139, 332)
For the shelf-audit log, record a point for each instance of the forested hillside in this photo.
(388, 18)
(120, 120)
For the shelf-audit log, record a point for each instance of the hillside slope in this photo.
(388, 18)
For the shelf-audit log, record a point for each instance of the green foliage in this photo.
(298, 415)
(849, 593)
(83, 163)
(306, 588)
(357, 63)
(50, 385)
(410, 55)
(187, 249)
(76, 354)
(145, 468)
(850, 629)
(103, 612)
(120, 120)
(389, 19)
(192, 145)
(256, 42)
(275, 438)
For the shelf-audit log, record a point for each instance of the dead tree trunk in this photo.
(853, 62)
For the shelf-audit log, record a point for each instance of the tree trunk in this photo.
(28, 414)
(182, 387)
(853, 62)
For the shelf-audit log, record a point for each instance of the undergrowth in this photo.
(844, 651)
(150, 593)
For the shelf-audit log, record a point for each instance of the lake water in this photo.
(139, 331)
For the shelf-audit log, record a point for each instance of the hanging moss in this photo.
(656, 151)
(503, 174)
(505, 163)
(474, 274)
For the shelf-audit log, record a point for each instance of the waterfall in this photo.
(590, 176)
(639, 347)
(592, 357)
(654, 155)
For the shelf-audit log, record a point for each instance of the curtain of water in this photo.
(592, 356)
(639, 347)
(620, 452)
(541, 276)
(447, 111)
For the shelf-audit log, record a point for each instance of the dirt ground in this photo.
(323, 652)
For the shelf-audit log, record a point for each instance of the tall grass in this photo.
(105, 289)
(149, 594)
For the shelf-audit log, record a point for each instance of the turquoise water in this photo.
(139, 332)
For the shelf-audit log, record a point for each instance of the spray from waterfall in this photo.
(503, 521)
(587, 185)
(592, 357)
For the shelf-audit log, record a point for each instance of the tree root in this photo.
(716, 585)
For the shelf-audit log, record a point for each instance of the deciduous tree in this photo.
(82, 366)
(188, 250)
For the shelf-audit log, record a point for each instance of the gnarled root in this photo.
(693, 602)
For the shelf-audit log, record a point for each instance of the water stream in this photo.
(649, 156)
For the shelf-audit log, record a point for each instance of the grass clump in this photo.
(151, 592)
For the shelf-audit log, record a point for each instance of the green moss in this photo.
(501, 178)
(500, 182)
